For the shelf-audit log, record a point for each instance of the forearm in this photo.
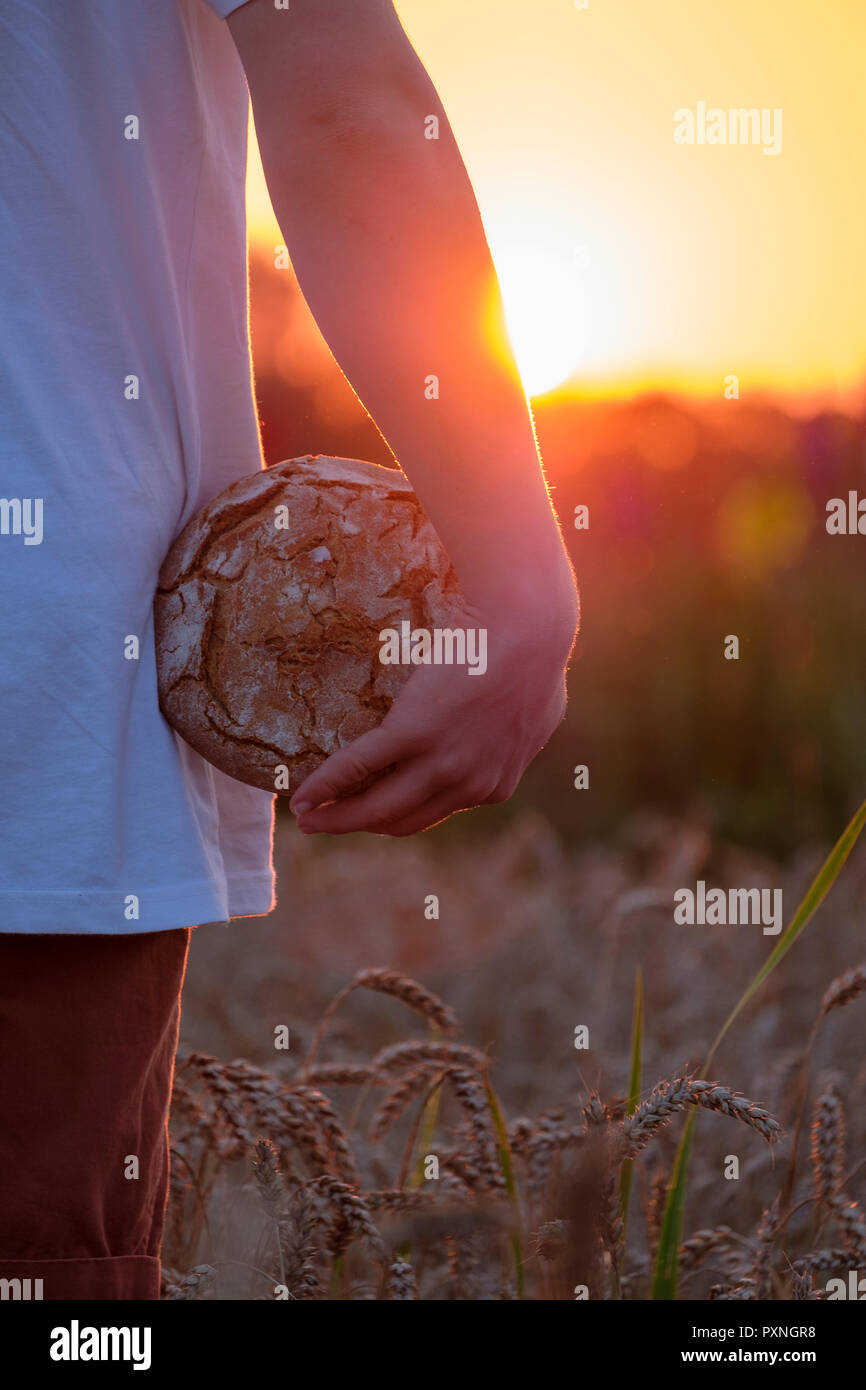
(388, 246)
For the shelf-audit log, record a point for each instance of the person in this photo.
(126, 403)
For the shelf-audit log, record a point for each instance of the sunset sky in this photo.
(628, 261)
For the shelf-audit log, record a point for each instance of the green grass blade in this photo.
(634, 1083)
(429, 1121)
(667, 1260)
(510, 1184)
(665, 1278)
(816, 894)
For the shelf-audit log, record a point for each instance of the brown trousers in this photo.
(88, 1034)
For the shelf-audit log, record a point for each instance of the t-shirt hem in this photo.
(223, 8)
(101, 912)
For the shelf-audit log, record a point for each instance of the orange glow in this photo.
(629, 262)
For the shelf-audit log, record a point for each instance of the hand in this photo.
(450, 741)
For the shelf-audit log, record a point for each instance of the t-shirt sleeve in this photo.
(223, 8)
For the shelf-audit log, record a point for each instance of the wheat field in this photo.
(431, 1131)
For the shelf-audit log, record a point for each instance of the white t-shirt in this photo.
(125, 405)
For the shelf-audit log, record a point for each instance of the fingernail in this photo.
(298, 808)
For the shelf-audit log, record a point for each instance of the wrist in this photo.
(541, 608)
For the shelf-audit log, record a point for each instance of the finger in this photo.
(390, 798)
(444, 802)
(420, 814)
(347, 768)
(437, 809)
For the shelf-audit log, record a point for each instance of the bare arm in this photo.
(387, 243)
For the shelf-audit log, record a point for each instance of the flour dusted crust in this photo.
(267, 639)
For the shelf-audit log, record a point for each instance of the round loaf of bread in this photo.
(270, 607)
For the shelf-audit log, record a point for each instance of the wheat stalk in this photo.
(743, 1291)
(350, 1218)
(672, 1096)
(803, 1288)
(407, 1089)
(187, 1287)
(337, 1074)
(400, 1284)
(415, 996)
(762, 1263)
(384, 981)
(472, 1098)
(695, 1250)
(820, 1260)
(852, 1225)
(399, 1056)
(844, 988)
(400, 1199)
(299, 1245)
(828, 1144)
(268, 1179)
(342, 1160)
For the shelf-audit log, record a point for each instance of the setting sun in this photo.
(545, 307)
(692, 256)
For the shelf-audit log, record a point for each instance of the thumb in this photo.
(347, 769)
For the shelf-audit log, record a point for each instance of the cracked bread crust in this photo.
(267, 638)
